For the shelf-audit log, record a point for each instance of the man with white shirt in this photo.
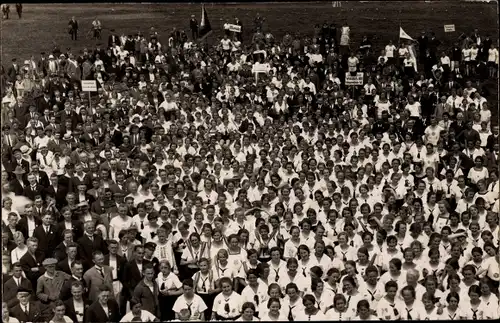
(11, 286)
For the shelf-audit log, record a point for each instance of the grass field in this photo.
(44, 24)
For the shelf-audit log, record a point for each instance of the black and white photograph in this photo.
(250, 161)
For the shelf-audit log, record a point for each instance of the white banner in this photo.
(235, 28)
(355, 80)
(89, 86)
(449, 28)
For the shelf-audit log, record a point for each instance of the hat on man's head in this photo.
(23, 289)
(25, 150)
(67, 136)
(49, 262)
(83, 204)
(51, 56)
(19, 170)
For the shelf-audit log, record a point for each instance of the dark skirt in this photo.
(166, 306)
(209, 301)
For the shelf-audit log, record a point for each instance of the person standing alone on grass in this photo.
(96, 26)
(193, 24)
(73, 28)
(19, 9)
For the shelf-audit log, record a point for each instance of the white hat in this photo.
(51, 56)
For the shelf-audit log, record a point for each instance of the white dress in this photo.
(344, 38)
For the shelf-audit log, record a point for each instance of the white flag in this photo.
(403, 34)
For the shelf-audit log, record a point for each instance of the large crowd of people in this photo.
(246, 181)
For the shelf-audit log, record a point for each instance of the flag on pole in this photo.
(403, 34)
(205, 28)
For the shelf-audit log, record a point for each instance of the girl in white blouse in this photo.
(274, 312)
(339, 312)
(431, 311)
(475, 308)
(311, 312)
(410, 308)
(364, 313)
(170, 288)
(386, 307)
(21, 248)
(247, 313)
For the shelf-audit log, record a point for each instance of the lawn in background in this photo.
(44, 25)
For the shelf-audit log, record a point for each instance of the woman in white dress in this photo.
(247, 313)
(324, 298)
(386, 307)
(431, 311)
(475, 308)
(274, 312)
(340, 311)
(364, 313)
(21, 248)
(452, 310)
(59, 310)
(311, 312)
(305, 262)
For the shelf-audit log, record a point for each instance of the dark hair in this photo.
(271, 300)
(247, 305)
(188, 282)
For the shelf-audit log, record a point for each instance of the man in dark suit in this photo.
(117, 264)
(40, 176)
(33, 189)
(90, 242)
(193, 24)
(76, 275)
(113, 39)
(104, 309)
(27, 310)
(32, 260)
(142, 292)
(13, 70)
(61, 251)
(11, 286)
(493, 138)
(69, 114)
(19, 161)
(56, 191)
(44, 103)
(77, 304)
(47, 236)
(73, 28)
(132, 275)
(28, 223)
(18, 183)
(423, 43)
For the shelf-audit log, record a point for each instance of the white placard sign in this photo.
(235, 28)
(449, 28)
(89, 86)
(353, 80)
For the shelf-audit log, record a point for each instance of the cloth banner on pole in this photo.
(403, 34)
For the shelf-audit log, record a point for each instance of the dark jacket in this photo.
(95, 313)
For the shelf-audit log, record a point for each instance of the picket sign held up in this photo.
(353, 80)
(235, 28)
(89, 86)
(258, 68)
(449, 28)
